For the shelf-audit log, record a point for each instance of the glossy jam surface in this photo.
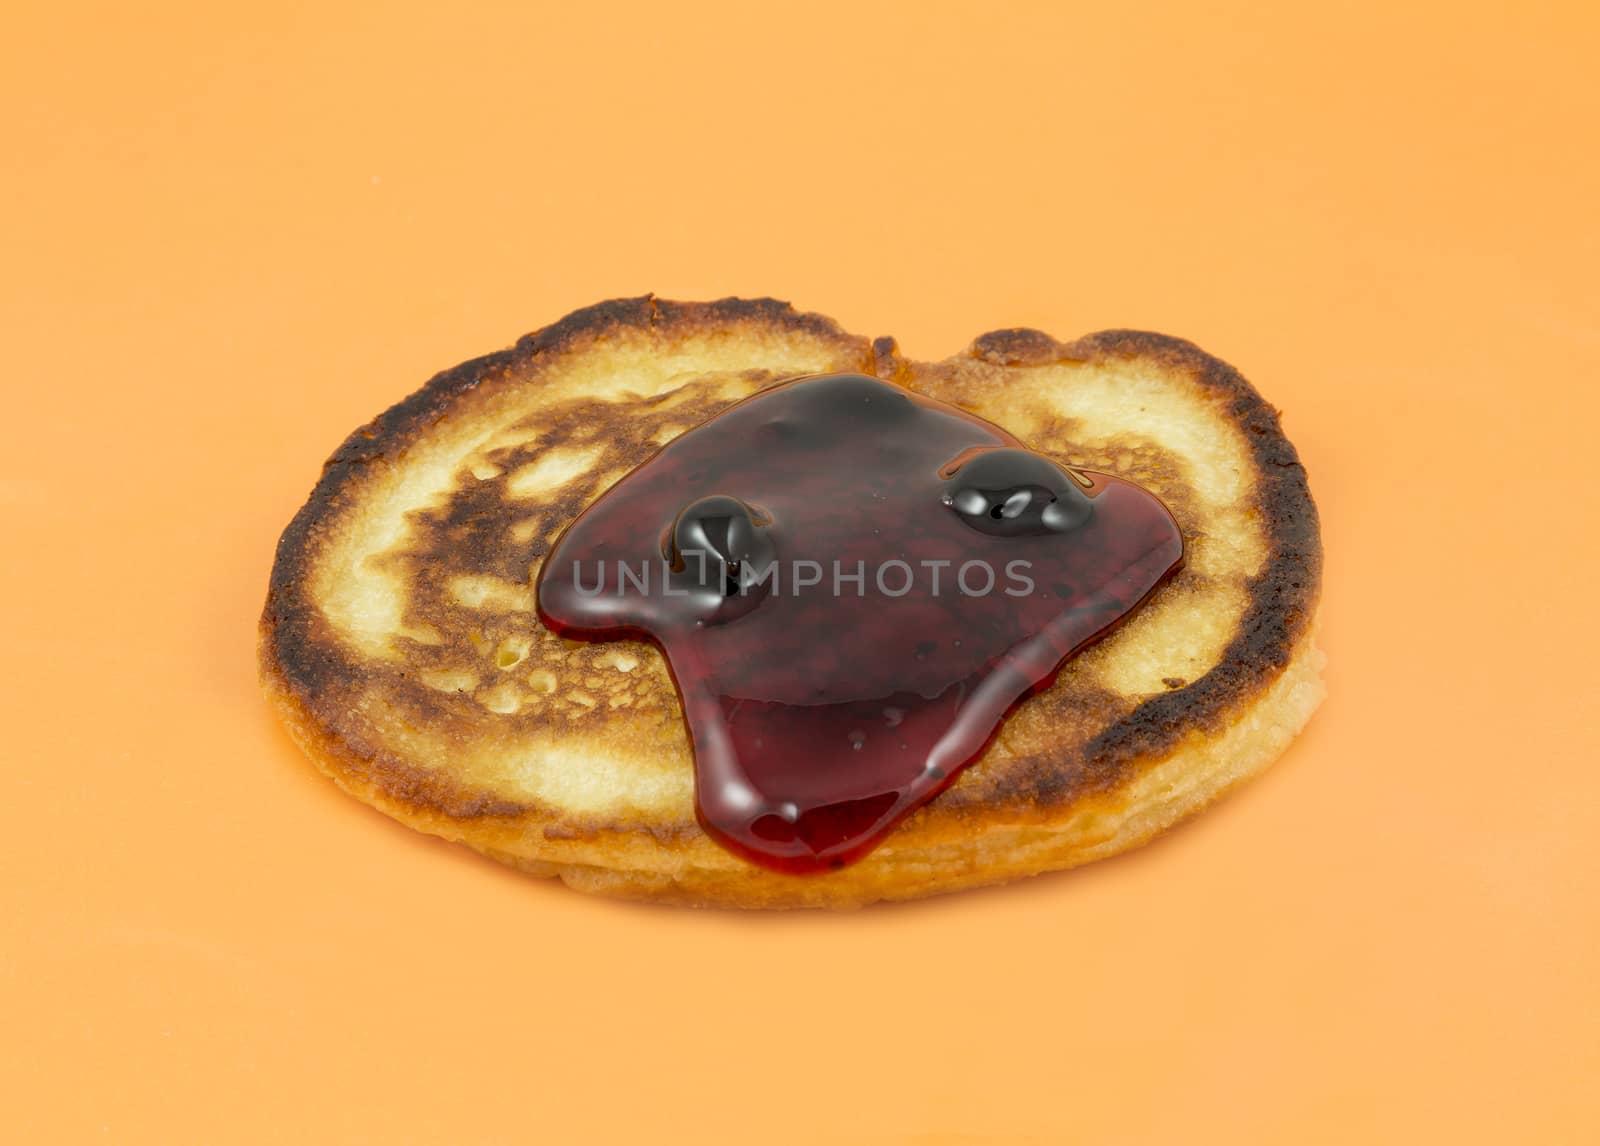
(852, 585)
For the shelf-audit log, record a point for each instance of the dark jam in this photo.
(852, 585)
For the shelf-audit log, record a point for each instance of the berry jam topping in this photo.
(852, 585)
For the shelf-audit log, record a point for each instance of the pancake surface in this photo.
(401, 647)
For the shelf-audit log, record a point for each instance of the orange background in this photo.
(232, 234)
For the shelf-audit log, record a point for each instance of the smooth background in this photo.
(231, 234)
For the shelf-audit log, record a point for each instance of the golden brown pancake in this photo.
(401, 646)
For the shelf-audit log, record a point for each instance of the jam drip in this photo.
(852, 585)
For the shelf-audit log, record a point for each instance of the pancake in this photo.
(401, 646)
